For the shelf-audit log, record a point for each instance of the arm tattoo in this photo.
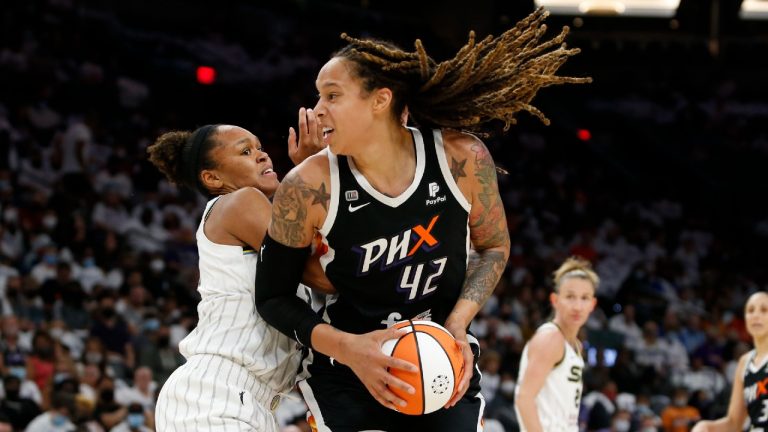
(457, 169)
(488, 229)
(483, 273)
(489, 225)
(319, 196)
(289, 209)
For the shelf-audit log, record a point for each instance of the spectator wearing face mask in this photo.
(622, 421)
(19, 410)
(108, 412)
(11, 238)
(90, 274)
(502, 407)
(135, 421)
(46, 268)
(58, 418)
(644, 419)
(27, 389)
(680, 416)
(155, 350)
(142, 391)
(113, 332)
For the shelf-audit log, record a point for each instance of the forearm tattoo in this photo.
(483, 274)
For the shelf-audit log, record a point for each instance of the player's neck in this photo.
(761, 347)
(571, 334)
(388, 160)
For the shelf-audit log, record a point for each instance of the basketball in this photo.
(440, 365)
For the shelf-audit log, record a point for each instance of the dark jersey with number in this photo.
(395, 258)
(756, 392)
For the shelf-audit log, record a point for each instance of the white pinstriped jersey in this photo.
(559, 399)
(229, 325)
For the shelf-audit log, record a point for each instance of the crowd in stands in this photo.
(97, 251)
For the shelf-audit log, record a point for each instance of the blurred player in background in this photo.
(749, 396)
(548, 394)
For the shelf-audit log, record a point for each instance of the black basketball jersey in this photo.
(395, 258)
(756, 393)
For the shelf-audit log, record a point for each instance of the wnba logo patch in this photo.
(351, 195)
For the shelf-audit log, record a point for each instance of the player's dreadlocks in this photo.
(488, 80)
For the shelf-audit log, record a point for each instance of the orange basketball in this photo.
(440, 365)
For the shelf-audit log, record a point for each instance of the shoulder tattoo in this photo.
(289, 209)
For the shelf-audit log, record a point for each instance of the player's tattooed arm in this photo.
(483, 273)
(292, 207)
(488, 230)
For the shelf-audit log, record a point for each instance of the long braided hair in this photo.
(487, 80)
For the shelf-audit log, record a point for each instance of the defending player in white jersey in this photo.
(548, 394)
(237, 365)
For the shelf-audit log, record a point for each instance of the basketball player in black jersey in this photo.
(398, 209)
(749, 396)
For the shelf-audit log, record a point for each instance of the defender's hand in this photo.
(310, 137)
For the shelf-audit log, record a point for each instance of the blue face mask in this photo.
(19, 372)
(135, 420)
(152, 324)
(89, 262)
(50, 259)
(59, 420)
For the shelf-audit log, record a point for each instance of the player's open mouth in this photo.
(326, 132)
(269, 172)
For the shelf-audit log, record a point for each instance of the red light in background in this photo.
(584, 134)
(206, 75)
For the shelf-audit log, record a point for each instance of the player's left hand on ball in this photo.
(460, 334)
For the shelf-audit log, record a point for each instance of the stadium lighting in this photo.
(754, 9)
(636, 8)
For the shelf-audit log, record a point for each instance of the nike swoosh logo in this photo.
(353, 209)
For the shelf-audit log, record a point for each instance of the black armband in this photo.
(278, 274)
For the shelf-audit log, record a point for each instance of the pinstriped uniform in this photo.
(236, 364)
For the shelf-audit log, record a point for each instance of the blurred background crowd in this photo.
(656, 173)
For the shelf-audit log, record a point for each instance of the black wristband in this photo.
(278, 274)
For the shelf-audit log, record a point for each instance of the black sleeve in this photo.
(278, 274)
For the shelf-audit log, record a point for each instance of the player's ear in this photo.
(382, 99)
(211, 180)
